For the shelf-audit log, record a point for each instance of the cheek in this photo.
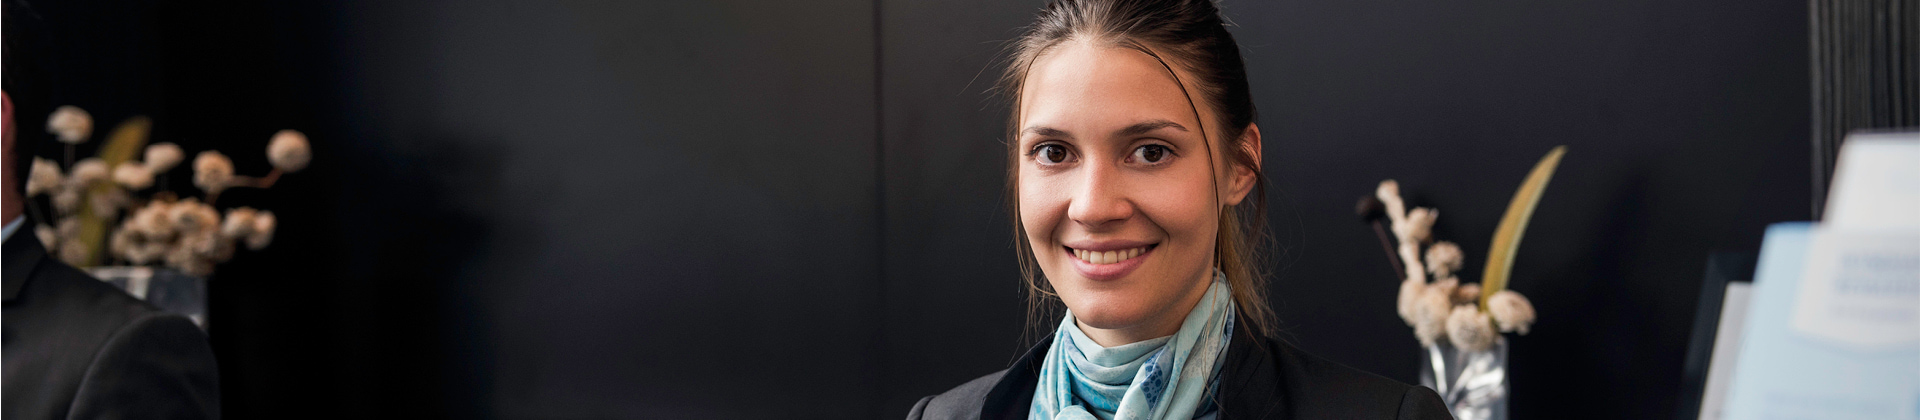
(1043, 206)
(1181, 204)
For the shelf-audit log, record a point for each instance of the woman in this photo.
(1133, 153)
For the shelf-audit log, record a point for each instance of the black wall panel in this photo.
(577, 210)
(954, 298)
(1682, 124)
(738, 209)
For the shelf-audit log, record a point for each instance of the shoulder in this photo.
(961, 402)
(72, 338)
(79, 305)
(1322, 388)
(159, 364)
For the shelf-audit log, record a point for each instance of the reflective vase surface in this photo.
(1473, 383)
(165, 288)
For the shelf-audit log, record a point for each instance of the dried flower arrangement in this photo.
(1469, 316)
(159, 227)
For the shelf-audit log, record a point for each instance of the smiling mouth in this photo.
(1110, 257)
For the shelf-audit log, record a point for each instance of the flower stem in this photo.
(1386, 245)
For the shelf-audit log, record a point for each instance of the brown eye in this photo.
(1049, 154)
(1152, 153)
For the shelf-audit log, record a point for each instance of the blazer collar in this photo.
(1250, 378)
(1249, 381)
(22, 252)
(1012, 397)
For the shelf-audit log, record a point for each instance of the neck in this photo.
(1165, 323)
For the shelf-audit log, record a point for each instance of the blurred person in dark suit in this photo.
(75, 347)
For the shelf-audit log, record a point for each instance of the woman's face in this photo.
(1117, 190)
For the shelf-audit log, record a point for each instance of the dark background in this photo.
(746, 209)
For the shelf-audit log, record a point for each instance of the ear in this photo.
(1243, 178)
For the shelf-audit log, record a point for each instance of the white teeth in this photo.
(1108, 257)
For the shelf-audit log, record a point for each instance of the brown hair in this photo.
(1189, 34)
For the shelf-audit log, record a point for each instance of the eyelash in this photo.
(1164, 160)
(1032, 153)
(1168, 150)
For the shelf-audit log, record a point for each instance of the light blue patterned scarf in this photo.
(1167, 378)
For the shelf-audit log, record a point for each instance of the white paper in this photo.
(1876, 183)
(1726, 349)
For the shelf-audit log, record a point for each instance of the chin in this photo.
(1134, 297)
(1108, 309)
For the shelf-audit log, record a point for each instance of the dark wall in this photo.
(1687, 129)
(601, 210)
(742, 209)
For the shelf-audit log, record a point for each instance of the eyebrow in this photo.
(1148, 127)
(1047, 132)
(1131, 130)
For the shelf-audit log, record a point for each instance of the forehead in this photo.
(1082, 85)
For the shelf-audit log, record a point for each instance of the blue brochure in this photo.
(1832, 331)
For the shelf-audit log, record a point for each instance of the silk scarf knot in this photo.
(1166, 378)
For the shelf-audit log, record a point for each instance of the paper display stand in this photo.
(1716, 335)
(1833, 327)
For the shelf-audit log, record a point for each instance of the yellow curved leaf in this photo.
(1506, 238)
(128, 140)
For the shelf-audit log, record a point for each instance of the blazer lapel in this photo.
(22, 252)
(1250, 384)
(1012, 397)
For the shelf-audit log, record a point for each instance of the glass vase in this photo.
(165, 288)
(1473, 383)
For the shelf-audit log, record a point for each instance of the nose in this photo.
(1100, 199)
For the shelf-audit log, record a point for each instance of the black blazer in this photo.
(78, 348)
(1263, 379)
